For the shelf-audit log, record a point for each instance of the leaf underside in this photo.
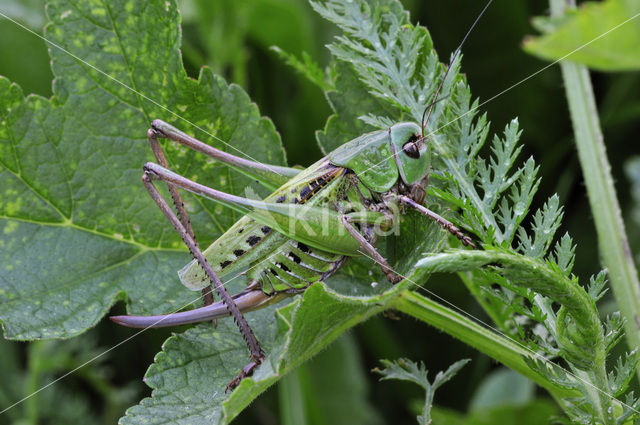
(601, 35)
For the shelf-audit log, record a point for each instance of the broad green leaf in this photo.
(189, 376)
(603, 36)
(78, 230)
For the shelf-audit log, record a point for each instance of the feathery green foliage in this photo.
(406, 370)
(493, 201)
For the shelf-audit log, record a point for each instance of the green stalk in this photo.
(612, 239)
(500, 348)
(293, 409)
(531, 273)
(32, 383)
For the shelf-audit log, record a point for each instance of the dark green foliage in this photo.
(79, 233)
(493, 199)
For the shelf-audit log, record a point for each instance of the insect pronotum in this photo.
(343, 200)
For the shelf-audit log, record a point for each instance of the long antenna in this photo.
(453, 58)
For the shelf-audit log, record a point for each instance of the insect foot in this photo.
(445, 224)
(246, 371)
(466, 240)
(394, 277)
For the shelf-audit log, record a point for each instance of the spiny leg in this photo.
(257, 356)
(371, 250)
(152, 135)
(444, 223)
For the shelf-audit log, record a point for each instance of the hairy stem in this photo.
(535, 275)
(504, 350)
(612, 238)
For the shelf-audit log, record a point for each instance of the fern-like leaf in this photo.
(406, 370)
(525, 286)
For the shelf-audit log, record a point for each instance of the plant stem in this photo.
(32, 383)
(532, 273)
(291, 396)
(612, 239)
(500, 348)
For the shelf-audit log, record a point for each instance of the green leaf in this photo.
(306, 66)
(189, 376)
(385, 50)
(603, 36)
(78, 231)
(565, 253)
(624, 372)
(545, 224)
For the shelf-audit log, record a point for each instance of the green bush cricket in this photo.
(305, 230)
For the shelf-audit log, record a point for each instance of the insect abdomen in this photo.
(296, 266)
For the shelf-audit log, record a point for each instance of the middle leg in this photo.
(392, 276)
(443, 222)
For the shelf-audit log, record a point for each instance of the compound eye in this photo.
(410, 148)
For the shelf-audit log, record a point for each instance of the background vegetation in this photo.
(234, 38)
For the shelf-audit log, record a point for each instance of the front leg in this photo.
(152, 136)
(444, 223)
(392, 276)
